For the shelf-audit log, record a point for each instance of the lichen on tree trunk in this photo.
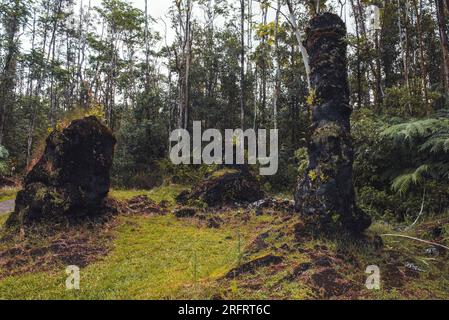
(325, 195)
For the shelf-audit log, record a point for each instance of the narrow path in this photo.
(6, 207)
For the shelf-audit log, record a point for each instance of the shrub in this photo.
(4, 165)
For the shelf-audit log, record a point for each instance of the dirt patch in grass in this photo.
(48, 249)
(251, 266)
(142, 204)
(298, 271)
(328, 283)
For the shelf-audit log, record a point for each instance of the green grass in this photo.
(8, 194)
(3, 219)
(222, 172)
(167, 193)
(162, 257)
(153, 259)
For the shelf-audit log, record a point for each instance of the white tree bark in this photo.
(299, 37)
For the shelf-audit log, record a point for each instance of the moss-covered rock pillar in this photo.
(325, 195)
(71, 179)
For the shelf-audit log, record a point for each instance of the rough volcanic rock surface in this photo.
(71, 179)
(237, 186)
(326, 194)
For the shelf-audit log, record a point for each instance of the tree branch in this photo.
(416, 239)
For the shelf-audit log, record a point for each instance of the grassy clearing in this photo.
(153, 259)
(162, 257)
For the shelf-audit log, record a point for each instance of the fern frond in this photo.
(441, 168)
(436, 144)
(403, 183)
(444, 113)
(412, 130)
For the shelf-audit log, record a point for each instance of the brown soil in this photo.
(49, 249)
(144, 206)
(251, 266)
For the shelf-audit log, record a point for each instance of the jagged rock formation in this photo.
(71, 179)
(325, 195)
(225, 188)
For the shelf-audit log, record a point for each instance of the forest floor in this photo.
(231, 253)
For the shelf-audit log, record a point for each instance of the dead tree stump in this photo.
(325, 195)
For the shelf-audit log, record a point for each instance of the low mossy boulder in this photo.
(72, 178)
(225, 187)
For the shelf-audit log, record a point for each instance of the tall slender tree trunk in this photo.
(444, 43)
(404, 52)
(184, 67)
(83, 86)
(51, 58)
(377, 84)
(187, 83)
(110, 81)
(8, 74)
(359, 62)
(299, 39)
(422, 59)
(264, 66)
(33, 104)
(242, 64)
(378, 77)
(147, 48)
(277, 86)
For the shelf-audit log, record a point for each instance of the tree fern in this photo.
(416, 129)
(403, 183)
(427, 142)
(437, 143)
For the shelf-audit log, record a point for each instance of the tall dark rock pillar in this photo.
(71, 180)
(325, 195)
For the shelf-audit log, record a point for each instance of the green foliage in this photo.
(4, 165)
(391, 168)
(428, 140)
(414, 131)
(286, 177)
(374, 155)
(121, 15)
(402, 183)
(303, 159)
(4, 154)
(140, 146)
(401, 101)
